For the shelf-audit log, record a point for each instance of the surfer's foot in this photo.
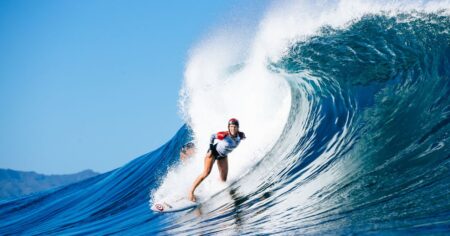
(191, 197)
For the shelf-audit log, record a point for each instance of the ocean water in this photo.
(346, 109)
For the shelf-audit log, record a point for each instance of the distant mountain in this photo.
(19, 183)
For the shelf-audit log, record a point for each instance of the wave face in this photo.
(346, 108)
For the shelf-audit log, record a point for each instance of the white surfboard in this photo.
(179, 204)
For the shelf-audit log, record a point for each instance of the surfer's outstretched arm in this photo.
(208, 164)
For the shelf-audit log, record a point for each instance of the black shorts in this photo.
(214, 152)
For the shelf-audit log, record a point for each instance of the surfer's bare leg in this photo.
(222, 164)
(208, 164)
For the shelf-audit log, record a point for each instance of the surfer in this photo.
(221, 144)
(187, 151)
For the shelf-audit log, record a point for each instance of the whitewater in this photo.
(346, 109)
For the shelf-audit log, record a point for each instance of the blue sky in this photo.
(94, 84)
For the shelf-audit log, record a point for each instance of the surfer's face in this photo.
(233, 129)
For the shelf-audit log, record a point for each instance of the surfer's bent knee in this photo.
(206, 173)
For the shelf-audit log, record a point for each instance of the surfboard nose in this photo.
(157, 207)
